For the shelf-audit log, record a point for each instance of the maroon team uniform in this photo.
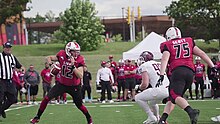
(69, 83)
(199, 79)
(180, 64)
(120, 72)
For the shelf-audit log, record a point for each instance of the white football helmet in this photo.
(197, 58)
(71, 46)
(173, 33)
(121, 61)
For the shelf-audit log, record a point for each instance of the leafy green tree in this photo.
(9, 8)
(117, 38)
(81, 24)
(200, 16)
(57, 37)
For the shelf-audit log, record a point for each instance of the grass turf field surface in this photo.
(115, 113)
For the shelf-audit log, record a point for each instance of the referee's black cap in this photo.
(7, 45)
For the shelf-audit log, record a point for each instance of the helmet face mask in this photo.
(140, 61)
(72, 49)
(121, 62)
(147, 56)
(198, 59)
(173, 33)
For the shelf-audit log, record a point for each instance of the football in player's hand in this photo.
(55, 69)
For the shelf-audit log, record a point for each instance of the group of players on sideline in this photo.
(148, 81)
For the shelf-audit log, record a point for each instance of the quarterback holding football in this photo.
(71, 65)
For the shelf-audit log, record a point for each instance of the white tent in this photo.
(150, 43)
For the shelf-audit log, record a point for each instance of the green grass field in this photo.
(116, 113)
(35, 54)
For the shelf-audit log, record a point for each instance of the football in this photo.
(55, 69)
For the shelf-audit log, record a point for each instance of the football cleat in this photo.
(194, 115)
(163, 122)
(216, 119)
(111, 101)
(150, 121)
(34, 120)
(3, 114)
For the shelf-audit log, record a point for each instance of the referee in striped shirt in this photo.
(7, 89)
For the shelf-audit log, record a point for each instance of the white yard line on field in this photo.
(16, 108)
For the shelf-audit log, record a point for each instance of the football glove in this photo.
(137, 88)
(214, 70)
(160, 80)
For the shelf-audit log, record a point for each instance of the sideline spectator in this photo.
(32, 78)
(138, 78)
(7, 88)
(23, 89)
(130, 72)
(112, 65)
(105, 78)
(213, 78)
(46, 79)
(16, 80)
(120, 78)
(199, 77)
(87, 84)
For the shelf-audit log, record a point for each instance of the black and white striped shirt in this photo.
(7, 63)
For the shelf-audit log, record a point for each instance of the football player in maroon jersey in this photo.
(120, 78)
(130, 72)
(178, 53)
(199, 77)
(46, 79)
(71, 63)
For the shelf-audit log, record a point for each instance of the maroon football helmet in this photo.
(147, 56)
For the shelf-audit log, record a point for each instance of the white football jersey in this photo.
(153, 69)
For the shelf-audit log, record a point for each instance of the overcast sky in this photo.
(110, 8)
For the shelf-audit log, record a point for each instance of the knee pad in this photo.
(173, 96)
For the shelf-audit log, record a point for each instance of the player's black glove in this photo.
(160, 80)
(214, 70)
